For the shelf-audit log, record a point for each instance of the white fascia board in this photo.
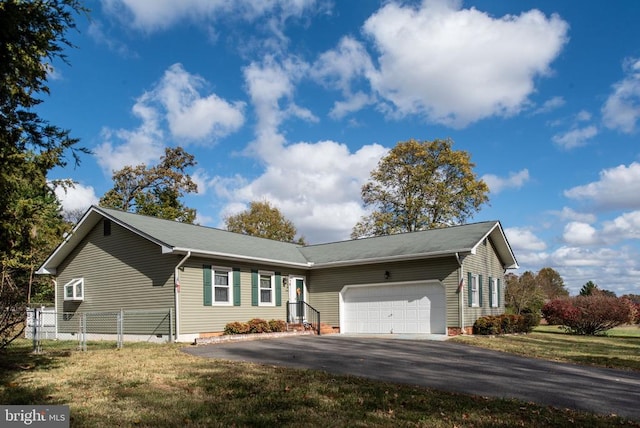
(387, 259)
(504, 240)
(226, 256)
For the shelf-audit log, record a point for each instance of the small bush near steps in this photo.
(255, 325)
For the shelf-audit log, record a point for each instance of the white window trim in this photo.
(220, 270)
(272, 289)
(475, 291)
(73, 284)
(494, 292)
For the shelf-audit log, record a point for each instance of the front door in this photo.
(297, 296)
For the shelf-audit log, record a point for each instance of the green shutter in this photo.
(236, 286)
(469, 289)
(278, 286)
(498, 293)
(206, 285)
(490, 292)
(254, 288)
(480, 290)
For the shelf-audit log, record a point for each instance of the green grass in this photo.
(158, 385)
(620, 348)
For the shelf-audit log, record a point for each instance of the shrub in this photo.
(589, 315)
(558, 311)
(530, 320)
(258, 325)
(277, 326)
(236, 328)
(502, 324)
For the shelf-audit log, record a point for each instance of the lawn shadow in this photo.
(19, 359)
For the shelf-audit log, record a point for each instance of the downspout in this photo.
(460, 293)
(55, 304)
(176, 292)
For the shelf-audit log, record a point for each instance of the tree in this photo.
(156, 190)
(588, 289)
(522, 294)
(590, 314)
(265, 221)
(32, 36)
(420, 185)
(551, 283)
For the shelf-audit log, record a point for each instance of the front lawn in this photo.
(620, 348)
(158, 385)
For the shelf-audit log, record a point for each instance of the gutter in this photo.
(226, 256)
(176, 292)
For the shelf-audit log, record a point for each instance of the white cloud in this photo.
(621, 111)
(190, 115)
(626, 226)
(618, 188)
(524, 239)
(578, 233)
(550, 105)
(456, 66)
(97, 33)
(515, 181)
(78, 197)
(155, 15)
(174, 103)
(322, 197)
(271, 88)
(569, 214)
(341, 68)
(352, 104)
(142, 145)
(576, 137)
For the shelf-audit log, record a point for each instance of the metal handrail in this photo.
(305, 314)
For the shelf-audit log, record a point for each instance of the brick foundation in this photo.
(455, 331)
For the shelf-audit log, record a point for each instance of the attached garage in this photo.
(408, 307)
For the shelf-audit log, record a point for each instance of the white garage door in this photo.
(397, 308)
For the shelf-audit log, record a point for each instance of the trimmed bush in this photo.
(258, 325)
(255, 325)
(277, 326)
(236, 328)
(589, 315)
(504, 324)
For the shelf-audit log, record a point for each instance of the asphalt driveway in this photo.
(446, 366)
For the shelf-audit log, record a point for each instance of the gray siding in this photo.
(325, 284)
(486, 263)
(120, 271)
(195, 317)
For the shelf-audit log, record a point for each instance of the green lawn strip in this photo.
(158, 385)
(620, 351)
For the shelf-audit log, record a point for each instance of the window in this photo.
(266, 289)
(475, 291)
(494, 284)
(74, 289)
(221, 286)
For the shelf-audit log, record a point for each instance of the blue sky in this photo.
(296, 101)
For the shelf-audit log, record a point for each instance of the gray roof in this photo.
(181, 238)
(428, 243)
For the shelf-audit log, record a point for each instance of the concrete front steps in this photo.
(324, 328)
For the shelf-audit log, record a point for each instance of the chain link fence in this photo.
(88, 328)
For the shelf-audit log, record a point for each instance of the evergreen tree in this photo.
(32, 36)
